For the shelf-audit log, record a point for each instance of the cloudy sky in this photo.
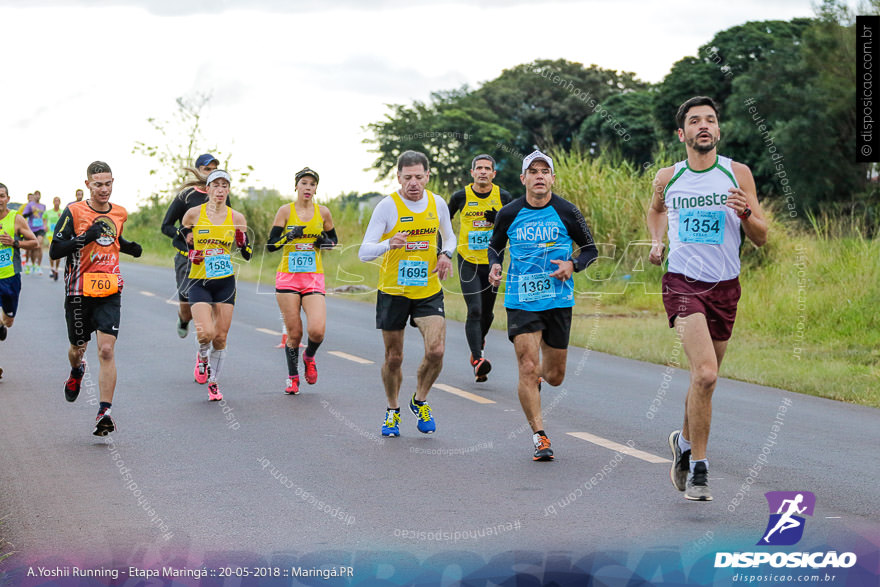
(292, 82)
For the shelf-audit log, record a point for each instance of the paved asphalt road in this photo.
(268, 478)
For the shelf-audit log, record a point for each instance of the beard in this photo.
(702, 147)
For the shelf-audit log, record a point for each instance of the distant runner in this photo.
(707, 202)
(34, 211)
(51, 216)
(478, 203)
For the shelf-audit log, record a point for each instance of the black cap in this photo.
(306, 171)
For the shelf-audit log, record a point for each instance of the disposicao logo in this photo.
(785, 528)
(786, 525)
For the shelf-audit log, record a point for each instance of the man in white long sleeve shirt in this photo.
(403, 231)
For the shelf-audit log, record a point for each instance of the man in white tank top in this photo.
(708, 203)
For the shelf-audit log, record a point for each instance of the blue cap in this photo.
(206, 159)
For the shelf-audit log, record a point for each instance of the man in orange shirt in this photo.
(89, 235)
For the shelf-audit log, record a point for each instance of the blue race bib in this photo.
(218, 266)
(701, 226)
(412, 273)
(478, 240)
(535, 286)
(302, 262)
(5, 257)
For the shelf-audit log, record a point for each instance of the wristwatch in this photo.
(745, 214)
(447, 253)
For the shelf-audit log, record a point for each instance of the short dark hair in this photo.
(409, 158)
(481, 157)
(3, 187)
(97, 167)
(690, 103)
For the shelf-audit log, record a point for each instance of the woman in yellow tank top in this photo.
(212, 231)
(302, 230)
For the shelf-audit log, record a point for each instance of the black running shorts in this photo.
(554, 324)
(393, 311)
(86, 315)
(212, 291)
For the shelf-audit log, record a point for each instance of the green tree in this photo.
(536, 105)
(629, 131)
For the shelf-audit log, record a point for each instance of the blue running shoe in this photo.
(391, 425)
(426, 423)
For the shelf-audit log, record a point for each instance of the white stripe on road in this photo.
(172, 302)
(148, 293)
(462, 393)
(621, 448)
(348, 357)
(267, 331)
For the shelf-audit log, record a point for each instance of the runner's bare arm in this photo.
(657, 221)
(755, 225)
(30, 240)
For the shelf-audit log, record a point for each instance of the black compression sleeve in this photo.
(456, 202)
(65, 241)
(577, 228)
(274, 243)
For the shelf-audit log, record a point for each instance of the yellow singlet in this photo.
(216, 241)
(408, 271)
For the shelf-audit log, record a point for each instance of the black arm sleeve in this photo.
(456, 202)
(275, 241)
(498, 242)
(506, 198)
(173, 216)
(328, 239)
(130, 247)
(65, 242)
(586, 251)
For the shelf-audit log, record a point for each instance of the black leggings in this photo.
(480, 299)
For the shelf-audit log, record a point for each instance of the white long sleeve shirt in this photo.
(384, 218)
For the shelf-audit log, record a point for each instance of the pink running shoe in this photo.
(311, 369)
(292, 385)
(202, 370)
(214, 394)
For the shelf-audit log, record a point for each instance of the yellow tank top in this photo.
(408, 271)
(474, 231)
(300, 255)
(216, 241)
(8, 254)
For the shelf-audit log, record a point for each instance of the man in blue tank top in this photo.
(545, 231)
(708, 203)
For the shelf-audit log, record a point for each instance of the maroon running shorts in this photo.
(683, 296)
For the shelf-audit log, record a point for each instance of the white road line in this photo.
(171, 302)
(621, 448)
(348, 357)
(267, 331)
(148, 293)
(462, 393)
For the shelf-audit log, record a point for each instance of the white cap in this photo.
(218, 174)
(537, 155)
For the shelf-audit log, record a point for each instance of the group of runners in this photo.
(705, 204)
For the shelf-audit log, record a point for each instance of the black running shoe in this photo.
(681, 462)
(104, 424)
(3, 332)
(73, 383)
